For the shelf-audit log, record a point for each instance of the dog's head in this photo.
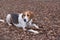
(27, 16)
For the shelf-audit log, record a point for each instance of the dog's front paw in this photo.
(24, 29)
(10, 25)
(37, 27)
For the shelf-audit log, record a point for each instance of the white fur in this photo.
(2, 20)
(34, 31)
(8, 19)
(21, 22)
(32, 24)
(26, 18)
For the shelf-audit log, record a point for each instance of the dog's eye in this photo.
(27, 15)
(23, 15)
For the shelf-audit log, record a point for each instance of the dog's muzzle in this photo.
(24, 20)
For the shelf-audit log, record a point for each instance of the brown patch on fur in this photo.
(29, 14)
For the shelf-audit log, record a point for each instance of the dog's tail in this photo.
(34, 31)
(1, 20)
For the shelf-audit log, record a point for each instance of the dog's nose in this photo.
(25, 20)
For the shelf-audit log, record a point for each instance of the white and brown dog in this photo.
(21, 20)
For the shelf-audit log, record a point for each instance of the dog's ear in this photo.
(31, 14)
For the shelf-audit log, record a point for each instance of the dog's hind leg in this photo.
(8, 21)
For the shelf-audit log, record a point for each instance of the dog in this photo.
(21, 20)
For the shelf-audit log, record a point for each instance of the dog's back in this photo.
(14, 18)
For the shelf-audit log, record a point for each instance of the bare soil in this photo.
(47, 17)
